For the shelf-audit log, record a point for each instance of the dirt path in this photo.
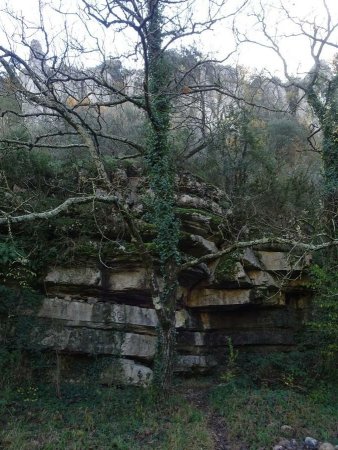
(198, 396)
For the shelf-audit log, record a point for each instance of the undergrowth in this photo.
(254, 416)
(262, 392)
(92, 417)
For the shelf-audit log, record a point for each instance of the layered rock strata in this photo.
(257, 297)
(259, 304)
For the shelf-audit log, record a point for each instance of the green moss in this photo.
(188, 211)
(226, 268)
(185, 213)
(86, 248)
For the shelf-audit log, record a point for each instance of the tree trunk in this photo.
(327, 113)
(330, 161)
(161, 175)
(165, 355)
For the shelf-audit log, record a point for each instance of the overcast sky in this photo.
(220, 40)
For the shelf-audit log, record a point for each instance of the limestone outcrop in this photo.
(257, 297)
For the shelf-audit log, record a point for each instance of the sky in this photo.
(219, 42)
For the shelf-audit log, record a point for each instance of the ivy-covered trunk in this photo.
(330, 156)
(161, 175)
(327, 113)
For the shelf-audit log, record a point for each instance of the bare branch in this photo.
(5, 219)
(259, 242)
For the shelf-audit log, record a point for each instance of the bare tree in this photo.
(52, 85)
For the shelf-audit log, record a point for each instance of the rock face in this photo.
(256, 297)
(257, 306)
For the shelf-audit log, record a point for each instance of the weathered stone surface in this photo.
(262, 296)
(131, 279)
(191, 339)
(216, 297)
(326, 446)
(198, 342)
(310, 443)
(127, 372)
(183, 319)
(299, 284)
(79, 312)
(196, 223)
(262, 278)
(197, 186)
(233, 277)
(74, 276)
(259, 338)
(258, 298)
(250, 260)
(278, 261)
(191, 201)
(140, 346)
(193, 275)
(97, 341)
(245, 319)
(199, 246)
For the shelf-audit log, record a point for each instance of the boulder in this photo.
(127, 372)
(310, 443)
(326, 446)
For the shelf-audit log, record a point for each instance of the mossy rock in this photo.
(226, 269)
(188, 214)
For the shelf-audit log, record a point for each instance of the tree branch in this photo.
(5, 219)
(263, 241)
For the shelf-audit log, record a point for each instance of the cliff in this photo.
(98, 307)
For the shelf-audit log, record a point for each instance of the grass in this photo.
(254, 416)
(99, 418)
(255, 400)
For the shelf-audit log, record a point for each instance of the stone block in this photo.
(243, 319)
(262, 278)
(96, 341)
(193, 275)
(57, 308)
(278, 261)
(74, 276)
(182, 318)
(97, 313)
(250, 260)
(128, 280)
(218, 297)
(198, 246)
(231, 275)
